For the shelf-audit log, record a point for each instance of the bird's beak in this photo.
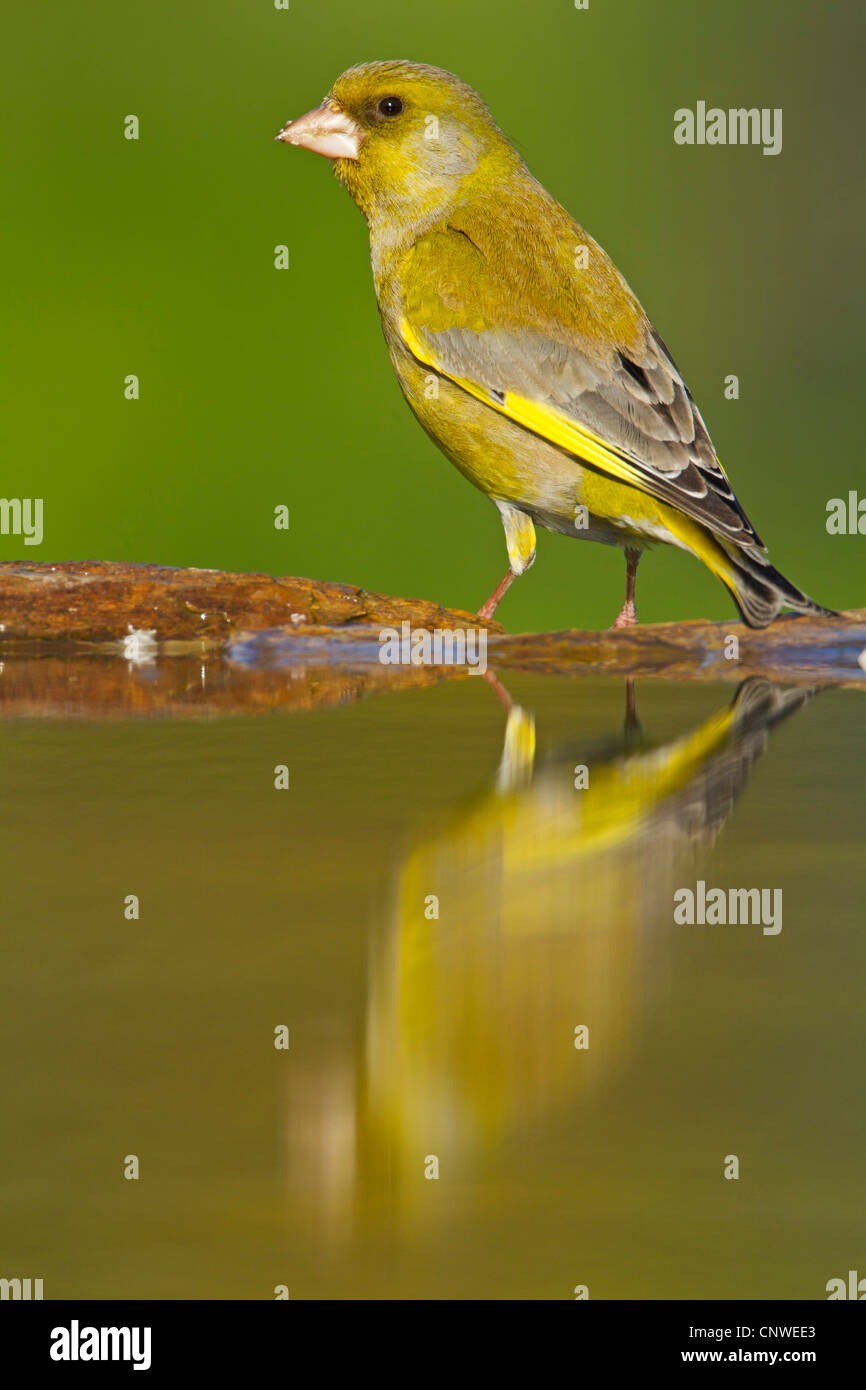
(326, 130)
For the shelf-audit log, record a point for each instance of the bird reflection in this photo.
(525, 940)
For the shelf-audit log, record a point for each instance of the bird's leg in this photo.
(489, 608)
(520, 543)
(628, 612)
(498, 688)
(632, 725)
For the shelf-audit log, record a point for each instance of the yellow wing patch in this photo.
(543, 420)
(556, 427)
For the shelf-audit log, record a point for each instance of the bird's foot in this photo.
(627, 617)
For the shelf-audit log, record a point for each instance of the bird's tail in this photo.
(760, 591)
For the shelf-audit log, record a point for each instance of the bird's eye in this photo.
(390, 106)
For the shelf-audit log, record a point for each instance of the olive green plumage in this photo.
(520, 347)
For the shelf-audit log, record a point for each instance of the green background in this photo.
(261, 387)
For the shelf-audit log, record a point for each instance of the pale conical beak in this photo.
(326, 130)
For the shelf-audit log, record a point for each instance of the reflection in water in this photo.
(554, 891)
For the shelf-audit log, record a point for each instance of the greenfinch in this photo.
(519, 346)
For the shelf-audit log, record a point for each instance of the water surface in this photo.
(415, 1037)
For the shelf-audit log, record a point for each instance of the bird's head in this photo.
(403, 138)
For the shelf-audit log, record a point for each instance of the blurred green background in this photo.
(261, 387)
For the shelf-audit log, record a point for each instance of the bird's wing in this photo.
(568, 354)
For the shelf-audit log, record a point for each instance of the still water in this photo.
(549, 823)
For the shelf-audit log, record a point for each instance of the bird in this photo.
(519, 346)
